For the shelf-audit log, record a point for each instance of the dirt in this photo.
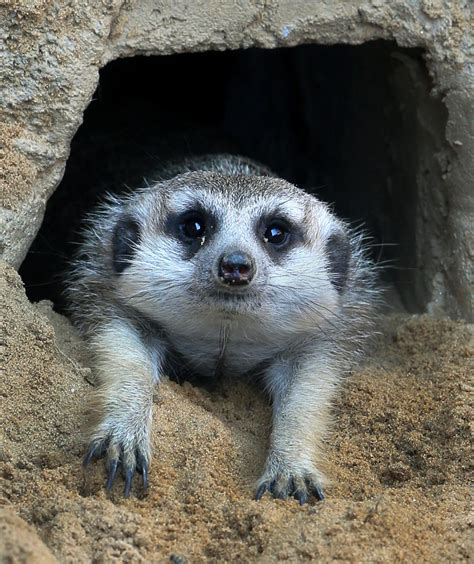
(399, 458)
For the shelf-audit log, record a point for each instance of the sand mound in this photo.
(398, 458)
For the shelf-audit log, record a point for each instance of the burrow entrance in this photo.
(345, 122)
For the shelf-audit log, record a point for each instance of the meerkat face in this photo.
(210, 244)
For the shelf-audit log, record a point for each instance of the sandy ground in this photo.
(399, 459)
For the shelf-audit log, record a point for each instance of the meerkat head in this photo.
(206, 243)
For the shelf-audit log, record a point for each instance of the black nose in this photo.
(236, 269)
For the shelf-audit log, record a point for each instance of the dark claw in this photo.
(317, 491)
(112, 470)
(95, 450)
(301, 496)
(261, 490)
(145, 478)
(128, 481)
(293, 488)
(142, 468)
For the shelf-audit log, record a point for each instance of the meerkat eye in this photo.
(192, 226)
(276, 233)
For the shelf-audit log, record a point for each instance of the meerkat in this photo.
(222, 267)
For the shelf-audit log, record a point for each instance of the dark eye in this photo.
(276, 234)
(193, 227)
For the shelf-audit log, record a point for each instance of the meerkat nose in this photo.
(236, 268)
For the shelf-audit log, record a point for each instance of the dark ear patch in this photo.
(338, 252)
(125, 237)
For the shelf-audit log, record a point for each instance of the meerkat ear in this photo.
(338, 251)
(124, 239)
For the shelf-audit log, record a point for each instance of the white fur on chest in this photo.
(232, 344)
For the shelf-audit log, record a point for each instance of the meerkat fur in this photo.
(223, 267)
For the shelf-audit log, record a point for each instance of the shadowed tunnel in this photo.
(340, 121)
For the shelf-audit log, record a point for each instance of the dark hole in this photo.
(340, 121)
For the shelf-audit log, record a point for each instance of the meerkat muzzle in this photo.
(236, 269)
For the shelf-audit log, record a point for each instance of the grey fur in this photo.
(304, 317)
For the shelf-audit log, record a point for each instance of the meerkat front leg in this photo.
(120, 410)
(301, 391)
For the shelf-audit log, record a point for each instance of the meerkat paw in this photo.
(129, 450)
(284, 480)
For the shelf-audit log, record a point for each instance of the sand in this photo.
(399, 458)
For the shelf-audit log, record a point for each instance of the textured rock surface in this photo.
(52, 53)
